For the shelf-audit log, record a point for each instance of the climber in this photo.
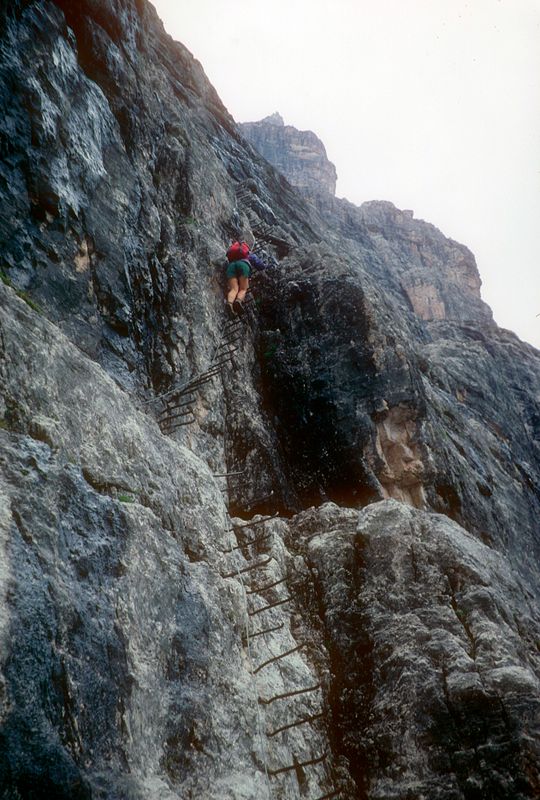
(238, 272)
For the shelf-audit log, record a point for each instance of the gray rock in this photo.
(433, 642)
(299, 155)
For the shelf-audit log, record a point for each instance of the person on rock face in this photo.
(238, 272)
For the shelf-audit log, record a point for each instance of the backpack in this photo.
(256, 262)
(237, 251)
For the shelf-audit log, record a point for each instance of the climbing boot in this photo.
(238, 307)
(229, 309)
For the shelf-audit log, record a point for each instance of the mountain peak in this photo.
(274, 119)
(299, 155)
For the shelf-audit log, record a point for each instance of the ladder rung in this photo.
(169, 417)
(172, 404)
(247, 544)
(228, 474)
(299, 764)
(257, 522)
(298, 722)
(277, 658)
(247, 569)
(179, 425)
(292, 693)
(266, 630)
(265, 588)
(270, 605)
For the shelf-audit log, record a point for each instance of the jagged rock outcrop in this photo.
(439, 276)
(424, 626)
(299, 155)
(158, 640)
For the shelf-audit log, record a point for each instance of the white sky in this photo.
(431, 104)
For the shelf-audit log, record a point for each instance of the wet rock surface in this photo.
(157, 639)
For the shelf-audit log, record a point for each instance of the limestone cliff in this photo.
(299, 155)
(439, 276)
(291, 556)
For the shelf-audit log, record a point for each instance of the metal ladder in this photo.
(174, 408)
(250, 575)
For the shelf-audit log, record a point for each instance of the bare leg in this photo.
(232, 290)
(244, 286)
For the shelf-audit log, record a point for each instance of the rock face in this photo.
(294, 556)
(430, 267)
(299, 155)
(421, 624)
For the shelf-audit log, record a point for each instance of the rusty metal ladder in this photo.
(243, 545)
(174, 408)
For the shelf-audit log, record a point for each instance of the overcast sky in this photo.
(431, 104)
